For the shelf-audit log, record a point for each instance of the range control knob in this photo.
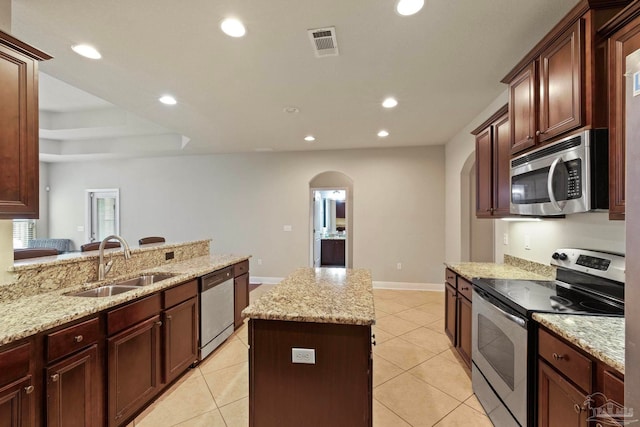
(561, 256)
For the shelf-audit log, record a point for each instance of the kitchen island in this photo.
(310, 350)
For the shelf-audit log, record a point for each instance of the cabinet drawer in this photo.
(240, 268)
(450, 277)
(465, 288)
(14, 363)
(566, 359)
(73, 338)
(133, 313)
(180, 293)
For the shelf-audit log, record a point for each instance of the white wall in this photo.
(242, 201)
(42, 224)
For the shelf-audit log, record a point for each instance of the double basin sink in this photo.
(123, 286)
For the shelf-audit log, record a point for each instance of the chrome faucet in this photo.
(103, 268)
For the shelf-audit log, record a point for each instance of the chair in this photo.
(147, 240)
(33, 253)
(94, 246)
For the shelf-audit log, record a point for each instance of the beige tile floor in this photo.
(418, 378)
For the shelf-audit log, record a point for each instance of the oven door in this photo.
(553, 180)
(500, 353)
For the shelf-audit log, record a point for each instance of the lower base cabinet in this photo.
(17, 389)
(180, 338)
(450, 313)
(458, 315)
(240, 297)
(560, 404)
(336, 390)
(465, 317)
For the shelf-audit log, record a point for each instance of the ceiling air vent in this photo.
(324, 41)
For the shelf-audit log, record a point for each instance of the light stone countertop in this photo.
(489, 270)
(600, 336)
(29, 315)
(320, 295)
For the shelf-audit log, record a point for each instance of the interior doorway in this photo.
(331, 220)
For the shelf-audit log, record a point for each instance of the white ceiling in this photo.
(443, 65)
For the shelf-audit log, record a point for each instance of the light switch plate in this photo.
(303, 355)
(287, 228)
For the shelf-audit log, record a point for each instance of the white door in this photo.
(103, 214)
(317, 227)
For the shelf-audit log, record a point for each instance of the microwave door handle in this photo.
(552, 196)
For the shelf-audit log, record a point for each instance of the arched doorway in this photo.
(477, 241)
(324, 220)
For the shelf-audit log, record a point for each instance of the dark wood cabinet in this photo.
(134, 357)
(74, 391)
(624, 39)
(17, 388)
(493, 152)
(458, 313)
(180, 338)
(560, 404)
(340, 209)
(332, 253)
(339, 380)
(19, 182)
(522, 109)
(240, 297)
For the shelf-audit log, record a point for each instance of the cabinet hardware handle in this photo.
(168, 317)
(577, 408)
(466, 288)
(55, 377)
(29, 389)
(78, 338)
(529, 137)
(159, 323)
(557, 356)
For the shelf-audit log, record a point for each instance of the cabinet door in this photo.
(465, 317)
(180, 338)
(18, 133)
(560, 404)
(16, 401)
(522, 109)
(561, 84)
(134, 369)
(624, 43)
(501, 167)
(484, 174)
(73, 391)
(450, 313)
(240, 297)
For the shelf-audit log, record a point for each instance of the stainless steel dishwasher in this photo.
(216, 310)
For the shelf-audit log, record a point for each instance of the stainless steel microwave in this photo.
(567, 176)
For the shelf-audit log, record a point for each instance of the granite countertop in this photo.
(321, 295)
(489, 270)
(600, 336)
(29, 315)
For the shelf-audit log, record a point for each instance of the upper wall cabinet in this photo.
(19, 180)
(558, 86)
(623, 48)
(493, 151)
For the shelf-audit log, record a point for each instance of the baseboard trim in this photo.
(409, 286)
(406, 286)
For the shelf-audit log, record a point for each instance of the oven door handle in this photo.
(512, 317)
(552, 196)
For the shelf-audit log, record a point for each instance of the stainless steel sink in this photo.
(145, 279)
(104, 291)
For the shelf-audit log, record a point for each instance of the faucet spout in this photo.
(103, 268)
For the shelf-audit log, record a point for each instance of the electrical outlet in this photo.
(80, 228)
(168, 255)
(303, 355)
(505, 239)
(527, 242)
(287, 228)
(259, 261)
(399, 266)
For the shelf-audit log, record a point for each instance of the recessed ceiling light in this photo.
(389, 103)
(309, 138)
(383, 134)
(291, 110)
(168, 100)
(409, 7)
(86, 51)
(233, 27)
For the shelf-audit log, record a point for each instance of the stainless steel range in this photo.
(504, 346)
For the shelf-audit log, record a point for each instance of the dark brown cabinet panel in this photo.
(240, 297)
(465, 317)
(334, 391)
(180, 338)
(450, 313)
(16, 403)
(74, 391)
(332, 252)
(560, 404)
(561, 66)
(134, 369)
(19, 182)
(522, 109)
(493, 153)
(340, 209)
(458, 314)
